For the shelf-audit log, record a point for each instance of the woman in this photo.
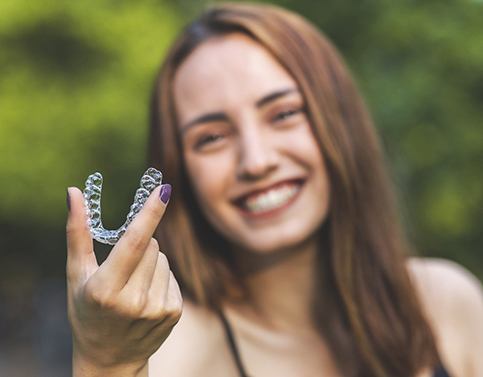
(283, 232)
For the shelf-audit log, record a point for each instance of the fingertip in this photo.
(74, 199)
(68, 199)
(77, 216)
(165, 193)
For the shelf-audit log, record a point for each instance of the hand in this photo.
(123, 310)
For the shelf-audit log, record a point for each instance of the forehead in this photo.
(226, 73)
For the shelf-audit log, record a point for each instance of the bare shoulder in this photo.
(192, 346)
(452, 299)
(444, 283)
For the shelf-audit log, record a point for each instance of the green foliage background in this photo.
(76, 78)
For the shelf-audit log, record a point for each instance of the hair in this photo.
(366, 308)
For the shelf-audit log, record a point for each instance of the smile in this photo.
(271, 200)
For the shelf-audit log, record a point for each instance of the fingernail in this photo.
(165, 193)
(68, 200)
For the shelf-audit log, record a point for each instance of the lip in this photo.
(238, 200)
(272, 212)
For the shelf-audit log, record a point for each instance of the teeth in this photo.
(271, 199)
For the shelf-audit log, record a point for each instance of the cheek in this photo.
(305, 148)
(307, 151)
(209, 176)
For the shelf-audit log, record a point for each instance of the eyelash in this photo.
(207, 139)
(283, 115)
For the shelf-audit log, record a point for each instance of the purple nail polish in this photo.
(68, 200)
(165, 193)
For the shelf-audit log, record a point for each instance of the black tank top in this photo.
(438, 372)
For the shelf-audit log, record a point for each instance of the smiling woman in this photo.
(271, 189)
(283, 231)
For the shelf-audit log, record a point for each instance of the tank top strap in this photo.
(440, 371)
(232, 344)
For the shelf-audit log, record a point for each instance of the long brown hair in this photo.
(366, 310)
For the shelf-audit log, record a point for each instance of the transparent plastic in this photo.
(92, 196)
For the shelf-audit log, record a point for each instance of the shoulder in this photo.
(452, 299)
(193, 347)
(444, 282)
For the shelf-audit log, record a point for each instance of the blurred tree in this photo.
(420, 67)
(74, 89)
(76, 78)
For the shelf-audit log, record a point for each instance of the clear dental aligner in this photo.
(92, 196)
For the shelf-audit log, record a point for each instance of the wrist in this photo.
(86, 368)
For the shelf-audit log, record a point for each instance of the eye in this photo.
(284, 115)
(208, 139)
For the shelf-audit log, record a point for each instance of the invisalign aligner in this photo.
(92, 196)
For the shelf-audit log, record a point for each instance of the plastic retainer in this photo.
(92, 196)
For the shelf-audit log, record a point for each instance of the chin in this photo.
(274, 243)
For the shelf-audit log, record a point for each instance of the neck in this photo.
(281, 286)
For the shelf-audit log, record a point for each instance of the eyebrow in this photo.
(220, 116)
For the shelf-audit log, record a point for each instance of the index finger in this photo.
(127, 253)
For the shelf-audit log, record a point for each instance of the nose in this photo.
(257, 156)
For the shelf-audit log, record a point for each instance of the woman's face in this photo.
(252, 159)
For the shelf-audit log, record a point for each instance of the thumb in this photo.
(81, 259)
